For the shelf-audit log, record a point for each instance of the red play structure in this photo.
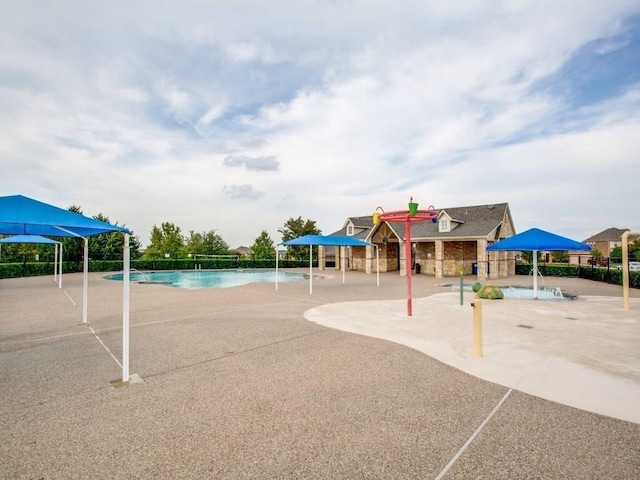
(407, 216)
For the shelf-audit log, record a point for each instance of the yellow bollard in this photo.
(477, 327)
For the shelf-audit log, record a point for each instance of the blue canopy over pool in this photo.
(326, 240)
(28, 239)
(537, 240)
(20, 215)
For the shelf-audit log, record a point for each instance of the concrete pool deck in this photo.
(583, 353)
(236, 383)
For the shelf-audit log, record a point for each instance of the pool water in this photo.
(544, 293)
(208, 278)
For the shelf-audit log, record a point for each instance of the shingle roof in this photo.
(472, 221)
(364, 224)
(479, 221)
(609, 235)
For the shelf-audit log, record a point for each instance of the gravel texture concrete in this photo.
(236, 383)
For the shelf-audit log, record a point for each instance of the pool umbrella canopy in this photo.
(28, 239)
(537, 240)
(20, 215)
(39, 240)
(324, 240)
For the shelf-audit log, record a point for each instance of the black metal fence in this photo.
(32, 269)
(606, 270)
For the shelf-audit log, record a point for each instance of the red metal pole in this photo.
(407, 264)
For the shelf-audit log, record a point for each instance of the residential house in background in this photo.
(241, 251)
(606, 240)
(458, 240)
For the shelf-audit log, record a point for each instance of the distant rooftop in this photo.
(609, 235)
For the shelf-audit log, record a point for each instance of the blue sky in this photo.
(235, 116)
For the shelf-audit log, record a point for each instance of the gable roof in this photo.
(608, 235)
(473, 222)
(21, 215)
(363, 226)
(362, 222)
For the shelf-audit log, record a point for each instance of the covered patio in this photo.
(20, 215)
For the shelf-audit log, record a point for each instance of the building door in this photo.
(394, 252)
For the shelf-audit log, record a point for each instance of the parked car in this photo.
(635, 266)
(600, 262)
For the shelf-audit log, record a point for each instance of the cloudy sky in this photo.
(236, 115)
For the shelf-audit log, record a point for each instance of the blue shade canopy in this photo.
(21, 215)
(331, 240)
(536, 239)
(28, 239)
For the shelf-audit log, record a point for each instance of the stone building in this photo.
(457, 240)
(606, 240)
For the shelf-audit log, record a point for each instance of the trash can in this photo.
(474, 269)
(417, 268)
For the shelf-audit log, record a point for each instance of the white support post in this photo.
(85, 281)
(60, 268)
(310, 269)
(535, 274)
(55, 264)
(126, 268)
(276, 267)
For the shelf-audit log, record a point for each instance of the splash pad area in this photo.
(516, 291)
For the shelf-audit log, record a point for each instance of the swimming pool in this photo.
(544, 293)
(208, 278)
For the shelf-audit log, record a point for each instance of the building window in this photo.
(350, 230)
(444, 225)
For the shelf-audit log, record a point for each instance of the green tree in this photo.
(527, 256)
(108, 246)
(72, 247)
(166, 239)
(634, 251)
(296, 228)
(262, 248)
(25, 252)
(205, 243)
(561, 256)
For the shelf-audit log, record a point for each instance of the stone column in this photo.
(439, 271)
(481, 256)
(321, 257)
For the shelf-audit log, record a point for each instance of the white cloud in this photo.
(259, 164)
(242, 191)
